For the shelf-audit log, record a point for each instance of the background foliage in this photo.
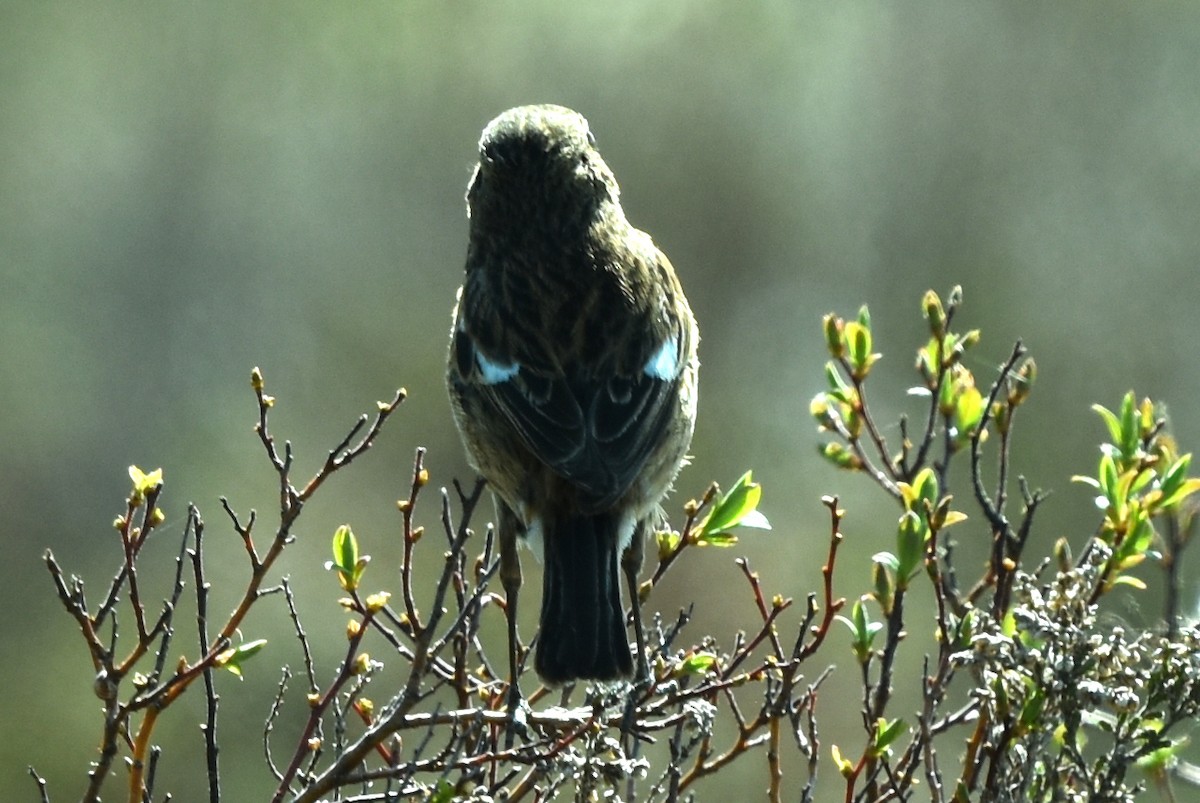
(188, 191)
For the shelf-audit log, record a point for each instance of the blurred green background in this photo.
(190, 190)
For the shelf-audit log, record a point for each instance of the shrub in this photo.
(1049, 704)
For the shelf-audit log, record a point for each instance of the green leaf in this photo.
(1008, 625)
(837, 385)
(818, 408)
(968, 411)
(953, 517)
(831, 325)
(883, 583)
(1111, 421)
(858, 342)
(233, 658)
(721, 539)
(1175, 484)
(144, 482)
(840, 456)
(346, 560)
(942, 516)
(1022, 382)
(1174, 476)
(935, 314)
(922, 493)
(1109, 480)
(910, 546)
(886, 733)
(668, 542)
(1134, 482)
(1182, 492)
(756, 520)
(345, 549)
(444, 793)
(1031, 710)
(1130, 431)
(1159, 761)
(845, 766)
(862, 630)
(965, 630)
(927, 364)
(864, 316)
(696, 664)
(947, 396)
(854, 421)
(737, 508)
(886, 559)
(1141, 538)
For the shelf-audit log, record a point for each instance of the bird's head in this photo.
(541, 160)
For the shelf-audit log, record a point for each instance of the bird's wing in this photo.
(594, 423)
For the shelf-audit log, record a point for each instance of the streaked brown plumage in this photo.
(572, 377)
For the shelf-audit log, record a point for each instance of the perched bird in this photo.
(572, 377)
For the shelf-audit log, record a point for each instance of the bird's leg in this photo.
(510, 578)
(631, 564)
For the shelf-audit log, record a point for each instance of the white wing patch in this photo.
(494, 373)
(664, 363)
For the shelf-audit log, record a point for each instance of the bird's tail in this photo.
(583, 624)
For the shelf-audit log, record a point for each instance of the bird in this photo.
(572, 375)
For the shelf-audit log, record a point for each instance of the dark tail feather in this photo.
(583, 624)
